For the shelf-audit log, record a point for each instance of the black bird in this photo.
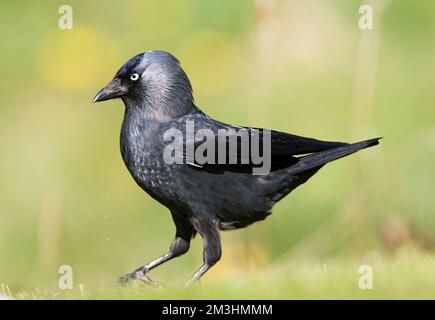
(207, 198)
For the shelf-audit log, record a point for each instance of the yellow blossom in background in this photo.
(73, 59)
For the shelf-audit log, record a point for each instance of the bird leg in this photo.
(212, 250)
(178, 247)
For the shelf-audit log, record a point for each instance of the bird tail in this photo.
(318, 159)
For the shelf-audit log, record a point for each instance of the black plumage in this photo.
(203, 199)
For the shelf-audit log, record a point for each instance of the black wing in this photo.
(284, 147)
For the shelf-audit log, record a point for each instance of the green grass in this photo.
(405, 277)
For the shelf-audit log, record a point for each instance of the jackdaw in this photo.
(203, 197)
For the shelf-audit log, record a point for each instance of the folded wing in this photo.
(284, 149)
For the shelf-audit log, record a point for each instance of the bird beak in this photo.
(113, 90)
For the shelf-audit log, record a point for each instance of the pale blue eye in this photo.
(134, 77)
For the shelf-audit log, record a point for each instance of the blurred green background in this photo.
(303, 67)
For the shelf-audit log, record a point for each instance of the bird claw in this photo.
(125, 280)
(137, 275)
(150, 282)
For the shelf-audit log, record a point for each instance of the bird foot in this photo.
(189, 284)
(137, 275)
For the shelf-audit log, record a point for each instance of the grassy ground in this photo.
(400, 278)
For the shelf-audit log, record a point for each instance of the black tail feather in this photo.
(320, 158)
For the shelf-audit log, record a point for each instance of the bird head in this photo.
(152, 81)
